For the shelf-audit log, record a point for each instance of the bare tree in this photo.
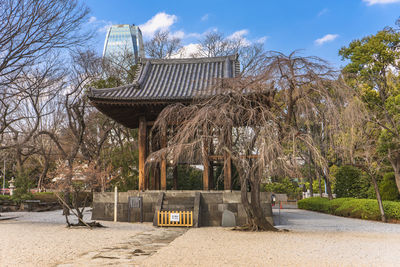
(34, 36)
(214, 44)
(85, 176)
(251, 55)
(266, 113)
(31, 29)
(162, 45)
(86, 67)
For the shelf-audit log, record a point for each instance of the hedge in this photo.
(5, 197)
(43, 197)
(352, 207)
(51, 197)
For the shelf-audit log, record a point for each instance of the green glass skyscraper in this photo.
(123, 40)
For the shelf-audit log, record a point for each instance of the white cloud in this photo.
(327, 38)
(381, 2)
(178, 34)
(205, 17)
(190, 50)
(262, 40)
(100, 25)
(105, 27)
(161, 21)
(240, 35)
(322, 12)
(92, 19)
(194, 35)
(197, 35)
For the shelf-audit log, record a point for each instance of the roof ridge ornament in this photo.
(142, 75)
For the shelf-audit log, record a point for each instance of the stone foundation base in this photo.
(209, 209)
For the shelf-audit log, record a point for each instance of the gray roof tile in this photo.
(170, 79)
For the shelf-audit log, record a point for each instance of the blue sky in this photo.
(318, 27)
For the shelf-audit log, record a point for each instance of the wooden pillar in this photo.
(142, 152)
(175, 178)
(228, 162)
(157, 182)
(206, 165)
(164, 143)
(153, 181)
(155, 172)
(157, 176)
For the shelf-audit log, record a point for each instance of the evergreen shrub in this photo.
(388, 188)
(352, 207)
(348, 182)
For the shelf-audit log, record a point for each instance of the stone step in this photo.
(177, 207)
(179, 200)
(177, 210)
(178, 203)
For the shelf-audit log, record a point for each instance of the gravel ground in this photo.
(41, 239)
(314, 240)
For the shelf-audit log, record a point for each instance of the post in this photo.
(228, 162)
(164, 144)
(206, 162)
(280, 205)
(115, 203)
(142, 151)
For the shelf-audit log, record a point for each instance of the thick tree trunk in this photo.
(67, 192)
(43, 175)
(255, 215)
(66, 200)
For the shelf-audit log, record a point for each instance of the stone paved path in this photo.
(131, 253)
(303, 220)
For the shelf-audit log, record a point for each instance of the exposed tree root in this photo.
(254, 228)
(89, 224)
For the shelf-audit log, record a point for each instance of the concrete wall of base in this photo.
(103, 205)
(212, 205)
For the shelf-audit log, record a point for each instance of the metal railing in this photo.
(175, 218)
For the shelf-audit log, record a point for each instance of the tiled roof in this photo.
(172, 79)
